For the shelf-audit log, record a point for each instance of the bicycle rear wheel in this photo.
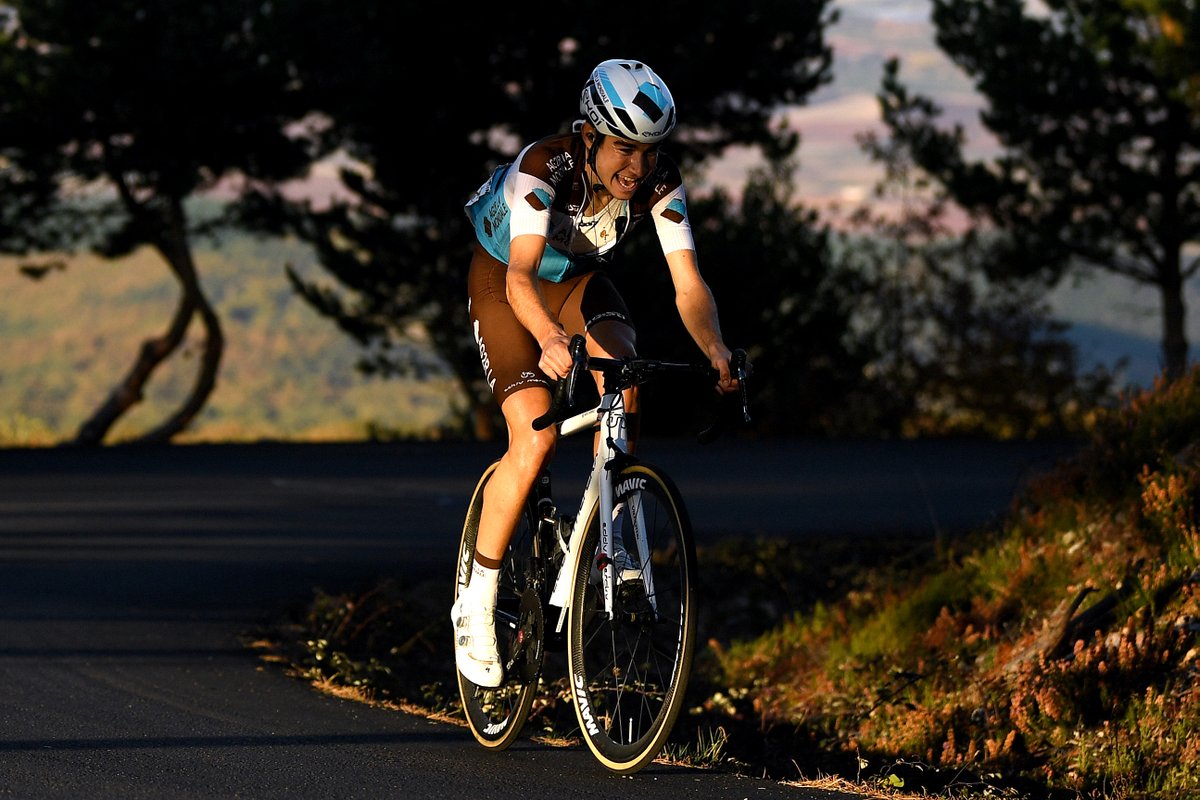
(496, 716)
(629, 672)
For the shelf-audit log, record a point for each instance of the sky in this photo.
(833, 170)
(1111, 317)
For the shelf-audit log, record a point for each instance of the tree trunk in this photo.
(179, 256)
(1174, 343)
(129, 392)
(173, 245)
(206, 380)
(1170, 270)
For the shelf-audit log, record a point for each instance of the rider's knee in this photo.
(532, 450)
(612, 340)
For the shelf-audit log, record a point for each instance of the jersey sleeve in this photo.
(531, 199)
(671, 222)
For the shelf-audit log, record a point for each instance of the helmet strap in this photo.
(591, 158)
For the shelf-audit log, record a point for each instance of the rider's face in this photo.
(622, 165)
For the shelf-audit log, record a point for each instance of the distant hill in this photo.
(288, 373)
(1104, 346)
(1101, 345)
(1112, 317)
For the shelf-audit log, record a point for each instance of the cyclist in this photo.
(545, 224)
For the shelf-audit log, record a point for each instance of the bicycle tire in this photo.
(629, 674)
(497, 716)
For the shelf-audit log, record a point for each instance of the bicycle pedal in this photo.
(634, 604)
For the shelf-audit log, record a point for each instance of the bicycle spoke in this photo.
(632, 667)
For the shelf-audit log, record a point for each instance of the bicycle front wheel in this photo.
(629, 671)
(496, 716)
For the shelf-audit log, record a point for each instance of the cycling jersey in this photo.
(544, 191)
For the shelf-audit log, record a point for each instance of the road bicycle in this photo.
(614, 585)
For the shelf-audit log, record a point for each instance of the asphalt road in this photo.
(129, 577)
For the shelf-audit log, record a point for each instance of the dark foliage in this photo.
(1099, 162)
(430, 130)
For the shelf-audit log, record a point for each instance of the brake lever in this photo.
(564, 392)
(739, 365)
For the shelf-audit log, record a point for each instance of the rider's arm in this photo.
(693, 298)
(529, 225)
(698, 310)
(521, 286)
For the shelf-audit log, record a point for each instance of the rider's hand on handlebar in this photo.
(720, 355)
(556, 355)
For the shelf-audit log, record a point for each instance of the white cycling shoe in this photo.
(475, 651)
(625, 565)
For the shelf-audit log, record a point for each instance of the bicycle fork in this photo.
(610, 456)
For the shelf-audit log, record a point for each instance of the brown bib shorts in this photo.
(508, 351)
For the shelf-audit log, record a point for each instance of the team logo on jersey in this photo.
(494, 221)
(538, 199)
(561, 232)
(560, 165)
(675, 211)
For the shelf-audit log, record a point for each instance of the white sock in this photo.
(485, 582)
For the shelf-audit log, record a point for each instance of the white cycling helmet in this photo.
(627, 99)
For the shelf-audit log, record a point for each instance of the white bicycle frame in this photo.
(610, 414)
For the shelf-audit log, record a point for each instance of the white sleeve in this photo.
(672, 223)
(530, 203)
